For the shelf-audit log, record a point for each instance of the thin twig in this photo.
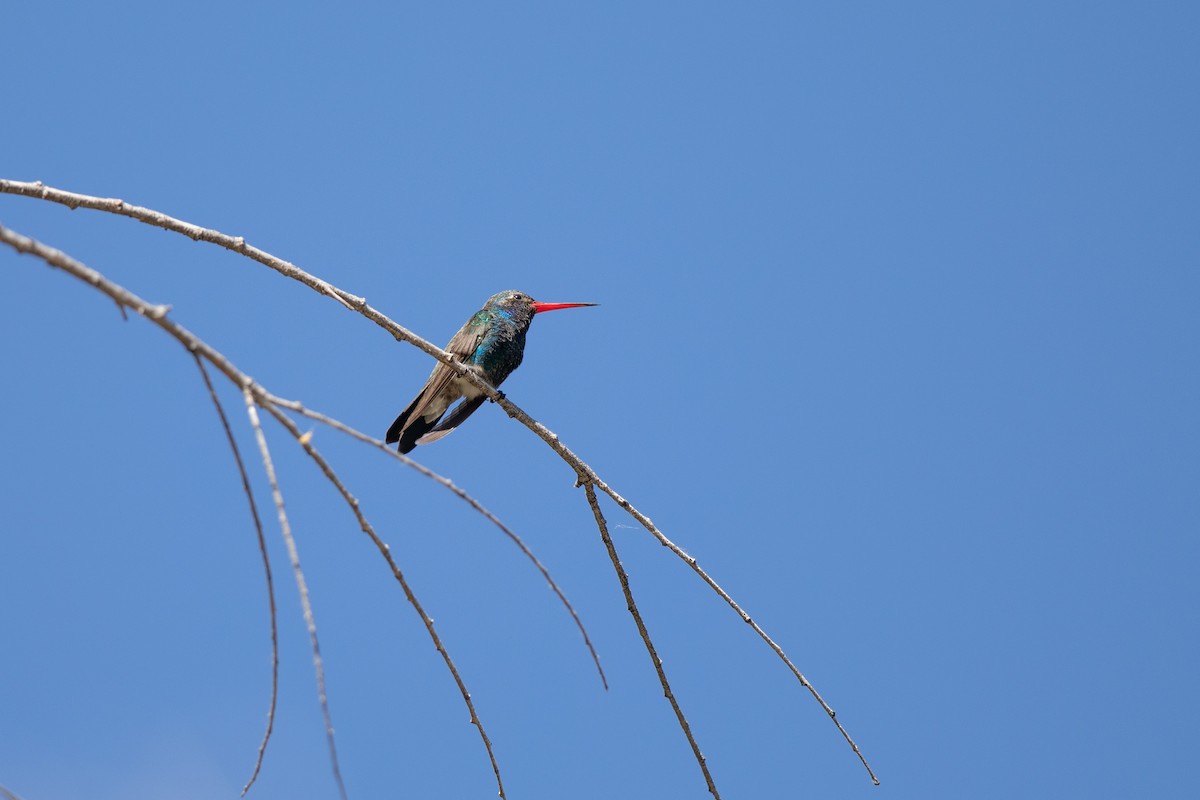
(583, 472)
(301, 583)
(8, 794)
(262, 549)
(386, 552)
(378, 444)
(641, 626)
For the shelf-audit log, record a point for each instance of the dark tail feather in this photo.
(449, 423)
(407, 437)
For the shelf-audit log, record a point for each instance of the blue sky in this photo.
(898, 337)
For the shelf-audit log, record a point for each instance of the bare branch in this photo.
(584, 473)
(641, 626)
(386, 552)
(262, 549)
(158, 315)
(159, 220)
(255, 393)
(301, 584)
(238, 245)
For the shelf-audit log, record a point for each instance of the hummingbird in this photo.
(492, 344)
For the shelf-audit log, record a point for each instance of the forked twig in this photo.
(301, 583)
(386, 552)
(262, 548)
(691, 562)
(256, 393)
(641, 626)
(158, 315)
(378, 444)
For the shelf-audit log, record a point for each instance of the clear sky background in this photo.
(898, 336)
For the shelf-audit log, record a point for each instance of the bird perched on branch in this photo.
(492, 344)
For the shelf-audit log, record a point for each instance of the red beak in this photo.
(540, 307)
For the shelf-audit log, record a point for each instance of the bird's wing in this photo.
(468, 337)
(411, 424)
(461, 346)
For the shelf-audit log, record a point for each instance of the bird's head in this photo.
(520, 306)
